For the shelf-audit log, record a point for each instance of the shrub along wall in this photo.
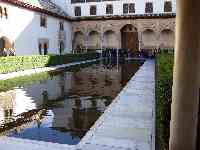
(17, 63)
(164, 80)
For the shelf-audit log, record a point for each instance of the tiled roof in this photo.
(45, 6)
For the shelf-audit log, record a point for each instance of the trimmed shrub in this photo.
(164, 81)
(18, 63)
(22, 81)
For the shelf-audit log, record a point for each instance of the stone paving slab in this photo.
(39, 70)
(10, 143)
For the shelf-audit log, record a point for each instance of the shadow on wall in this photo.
(24, 31)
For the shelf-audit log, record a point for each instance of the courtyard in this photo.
(99, 75)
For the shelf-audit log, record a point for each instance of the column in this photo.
(86, 41)
(119, 39)
(185, 99)
(140, 39)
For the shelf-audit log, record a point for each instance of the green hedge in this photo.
(17, 63)
(10, 84)
(164, 80)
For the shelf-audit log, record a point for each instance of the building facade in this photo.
(32, 29)
(63, 26)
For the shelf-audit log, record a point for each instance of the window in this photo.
(77, 1)
(168, 6)
(93, 10)
(149, 7)
(109, 9)
(40, 48)
(61, 47)
(1, 12)
(125, 8)
(43, 21)
(128, 8)
(77, 11)
(5, 12)
(93, 0)
(43, 46)
(61, 24)
(131, 8)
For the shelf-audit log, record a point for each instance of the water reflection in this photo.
(63, 108)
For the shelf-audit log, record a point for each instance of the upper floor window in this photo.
(77, 11)
(125, 8)
(43, 21)
(61, 25)
(128, 8)
(93, 0)
(168, 6)
(93, 10)
(109, 9)
(3, 12)
(149, 7)
(131, 8)
(77, 1)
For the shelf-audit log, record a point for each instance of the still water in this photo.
(62, 109)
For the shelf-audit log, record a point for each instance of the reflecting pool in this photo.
(62, 108)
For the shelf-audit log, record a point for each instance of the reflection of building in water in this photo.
(127, 73)
(15, 102)
(108, 80)
(77, 115)
(7, 100)
(74, 100)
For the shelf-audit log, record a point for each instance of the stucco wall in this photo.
(23, 29)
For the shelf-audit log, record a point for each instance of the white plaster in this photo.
(23, 29)
(118, 7)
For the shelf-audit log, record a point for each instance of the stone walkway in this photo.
(127, 124)
(39, 70)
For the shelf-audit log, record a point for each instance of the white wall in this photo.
(118, 6)
(23, 29)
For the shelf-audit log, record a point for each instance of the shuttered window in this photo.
(168, 6)
(149, 7)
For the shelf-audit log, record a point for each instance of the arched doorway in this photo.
(5, 43)
(78, 42)
(110, 39)
(61, 47)
(167, 39)
(6, 47)
(129, 37)
(149, 40)
(94, 40)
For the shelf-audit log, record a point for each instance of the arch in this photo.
(5, 43)
(129, 38)
(94, 40)
(78, 41)
(109, 39)
(149, 39)
(61, 47)
(167, 39)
